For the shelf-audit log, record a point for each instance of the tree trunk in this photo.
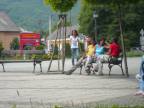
(122, 40)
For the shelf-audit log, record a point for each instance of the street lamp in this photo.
(95, 17)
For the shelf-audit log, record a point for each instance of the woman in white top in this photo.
(74, 42)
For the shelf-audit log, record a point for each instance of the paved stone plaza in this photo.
(18, 85)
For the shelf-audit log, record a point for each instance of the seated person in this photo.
(100, 48)
(100, 55)
(114, 51)
(86, 59)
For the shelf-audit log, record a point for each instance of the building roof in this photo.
(6, 24)
(60, 32)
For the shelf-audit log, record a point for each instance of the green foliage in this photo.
(1, 48)
(33, 15)
(44, 56)
(108, 23)
(134, 54)
(60, 5)
(40, 47)
(28, 48)
(115, 106)
(115, 2)
(68, 50)
(55, 50)
(57, 106)
(14, 45)
(14, 106)
(81, 47)
(85, 19)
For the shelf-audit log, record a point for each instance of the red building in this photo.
(29, 39)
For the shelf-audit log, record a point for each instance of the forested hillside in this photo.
(33, 14)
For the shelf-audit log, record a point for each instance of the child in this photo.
(89, 55)
(86, 59)
(140, 77)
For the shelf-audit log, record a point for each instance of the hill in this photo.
(33, 14)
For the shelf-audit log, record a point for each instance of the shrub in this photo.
(1, 49)
(27, 47)
(81, 46)
(14, 44)
(40, 47)
(44, 56)
(134, 53)
(68, 50)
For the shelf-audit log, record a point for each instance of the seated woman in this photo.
(100, 55)
(86, 59)
(113, 51)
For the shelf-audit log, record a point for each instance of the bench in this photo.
(34, 61)
(115, 62)
(111, 63)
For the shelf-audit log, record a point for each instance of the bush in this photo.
(1, 49)
(44, 56)
(81, 46)
(68, 50)
(14, 44)
(40, 47)
(28, 48)
(55, 50)
(134, 53)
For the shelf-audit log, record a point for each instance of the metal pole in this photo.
(50, 23)
(96, 30)
(95, 22)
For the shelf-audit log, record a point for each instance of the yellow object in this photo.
(90, 50)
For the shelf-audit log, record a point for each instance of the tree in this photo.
(118, 6)
(60, 5)
(104, 20)
(14, 45)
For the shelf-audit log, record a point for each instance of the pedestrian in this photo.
(140, 77)
(74, 43)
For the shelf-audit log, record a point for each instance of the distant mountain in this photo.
(33, 14)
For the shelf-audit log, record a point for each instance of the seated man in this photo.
(86, 59)
(114, 51)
